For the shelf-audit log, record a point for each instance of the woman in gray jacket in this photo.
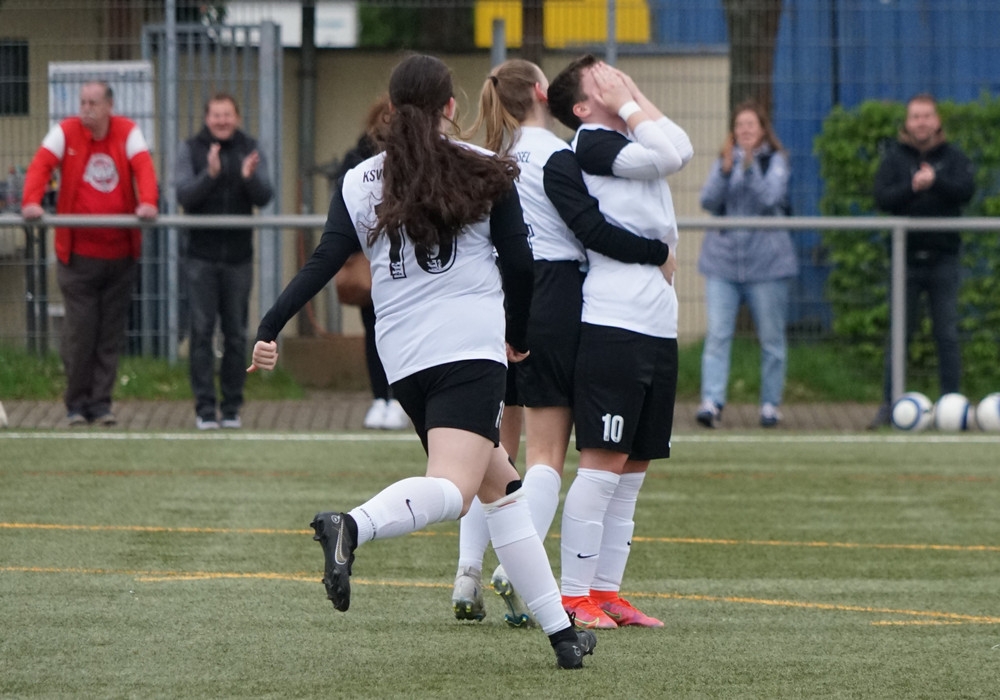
(749, 178)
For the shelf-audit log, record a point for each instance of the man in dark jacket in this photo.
(923, 175)
(220, 171)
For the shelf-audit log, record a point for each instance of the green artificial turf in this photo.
(784, 567)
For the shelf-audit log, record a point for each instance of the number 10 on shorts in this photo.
(613, 427)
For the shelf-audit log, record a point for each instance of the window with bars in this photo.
(13, 77)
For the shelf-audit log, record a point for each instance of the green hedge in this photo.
(848, 149)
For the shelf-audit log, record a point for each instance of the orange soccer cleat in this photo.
(586, 614)
(622, 611)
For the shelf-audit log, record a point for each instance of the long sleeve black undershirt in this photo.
(510, 238)
(565, 188)
(508, 235)
(337, 243)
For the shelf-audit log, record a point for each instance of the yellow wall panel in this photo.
(567, 22)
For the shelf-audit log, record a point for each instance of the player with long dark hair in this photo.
(429, 213)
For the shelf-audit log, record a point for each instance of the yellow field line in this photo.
(940, 617)
(914, 623)
(154, 528)
(832, 545)
(162, 575)
(660, 540)
(924, 617)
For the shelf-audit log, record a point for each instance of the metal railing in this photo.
(898, 226)
(270, 269)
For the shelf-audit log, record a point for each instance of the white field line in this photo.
(243, 436)
(770, 438)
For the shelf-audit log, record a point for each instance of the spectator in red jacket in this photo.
(105, 168)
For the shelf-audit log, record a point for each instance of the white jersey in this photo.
(621, 295)
(548, 234)
(431, 306)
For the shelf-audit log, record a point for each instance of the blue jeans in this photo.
(939, 278)
(218, 290)
(768, 302)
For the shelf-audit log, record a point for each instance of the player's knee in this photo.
(514, 493)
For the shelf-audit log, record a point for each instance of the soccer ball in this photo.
(912, 411)
(951, 413)
(988, 413)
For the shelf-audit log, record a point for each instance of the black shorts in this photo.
(545, 377)
(626, 384)
(511, 397)
(467, 395)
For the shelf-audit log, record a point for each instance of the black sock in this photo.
(563, 635)
(352, 529)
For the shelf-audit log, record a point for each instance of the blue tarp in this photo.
(845, 52)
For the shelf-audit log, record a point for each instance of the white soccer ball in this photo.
(912, 411)
(988, 413)
(952, 413)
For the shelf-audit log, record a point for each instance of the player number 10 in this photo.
(613, 427)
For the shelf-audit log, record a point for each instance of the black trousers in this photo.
(937, 279)
(218, 290)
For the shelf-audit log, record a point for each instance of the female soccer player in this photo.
(627, 364)
(429, 212)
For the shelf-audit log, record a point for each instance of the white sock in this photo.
(582, 528)
(473, 536)
(523, 557)
(407, 506)
(541, 485)
(616, 542)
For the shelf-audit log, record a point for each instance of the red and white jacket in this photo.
(107, 176)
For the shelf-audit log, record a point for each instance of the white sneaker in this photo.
(395, 417)
(232, 422)
(467, 596)
(769, 415)
(708, 413)
(375, 417)
(206, 423)
(517, 614)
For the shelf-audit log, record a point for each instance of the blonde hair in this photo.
(505, 102)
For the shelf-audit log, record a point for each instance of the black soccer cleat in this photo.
(569, 654)
(338, 550)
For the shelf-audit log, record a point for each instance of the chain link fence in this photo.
(306, 97)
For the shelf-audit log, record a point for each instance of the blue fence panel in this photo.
(805, 60)
(892, 51)
(844, 52)
(688, 23)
